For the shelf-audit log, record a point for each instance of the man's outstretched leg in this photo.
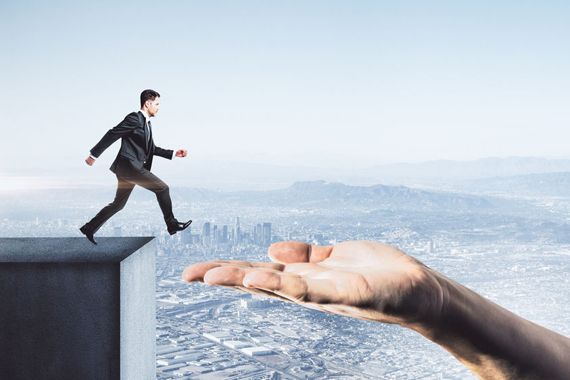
(149, 181)
(124, 189)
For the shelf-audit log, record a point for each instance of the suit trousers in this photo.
(125, 185)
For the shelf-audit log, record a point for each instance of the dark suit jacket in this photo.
(135, 153)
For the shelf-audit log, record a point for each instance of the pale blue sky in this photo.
(317, 83)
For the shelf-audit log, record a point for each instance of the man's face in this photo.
(152, 106)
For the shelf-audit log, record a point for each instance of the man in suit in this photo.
(133, 163)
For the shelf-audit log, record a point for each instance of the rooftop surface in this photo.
(69, 250)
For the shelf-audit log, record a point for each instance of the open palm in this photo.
(360, 279)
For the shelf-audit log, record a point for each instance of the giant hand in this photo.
(359, 278)
(377, 282)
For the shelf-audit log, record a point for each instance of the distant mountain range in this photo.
(266, 176)
(323, 194)
(307, 195)
(542, 184)
(458, 170)
(519, 175)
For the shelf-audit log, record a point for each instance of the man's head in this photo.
(150, 102)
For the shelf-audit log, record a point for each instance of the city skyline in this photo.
(511, 246)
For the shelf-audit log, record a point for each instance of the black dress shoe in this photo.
(178, 226)
(88, 234)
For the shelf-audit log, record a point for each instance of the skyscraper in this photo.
(187, 236)
(215, 237)
(237, 231)
(258, 234)
(266, 236)
(206, 233)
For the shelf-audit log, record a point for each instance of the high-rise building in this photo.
(187, 236)
(215, 237)
(431, 246)
(266, 235)
(206, 233)
(224, 234)
(258, 234)
(237, 231)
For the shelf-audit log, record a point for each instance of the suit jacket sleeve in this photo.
(124, 128)
(166, 153)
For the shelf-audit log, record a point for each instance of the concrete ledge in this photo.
(72, 310)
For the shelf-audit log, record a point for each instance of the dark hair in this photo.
(148, 95)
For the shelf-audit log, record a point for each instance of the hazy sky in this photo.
(318, 83)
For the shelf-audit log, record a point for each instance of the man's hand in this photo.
(90, 161)
(181, 153)
(359, 279)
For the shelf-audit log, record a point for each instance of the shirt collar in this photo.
(146, 117)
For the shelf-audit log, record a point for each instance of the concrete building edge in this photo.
(138, 314)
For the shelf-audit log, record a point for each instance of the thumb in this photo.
(298, 252)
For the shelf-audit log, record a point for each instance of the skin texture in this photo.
(181, 153)
(150, 108)
(90, 161)
(377, 282)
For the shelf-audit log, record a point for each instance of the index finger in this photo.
(196, 272)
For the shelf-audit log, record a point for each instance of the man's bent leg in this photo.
(124, 189)
(149, 181)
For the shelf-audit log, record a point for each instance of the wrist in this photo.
(492, 341)
(425, 303)
(466, 326)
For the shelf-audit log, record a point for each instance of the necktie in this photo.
(148, 133)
